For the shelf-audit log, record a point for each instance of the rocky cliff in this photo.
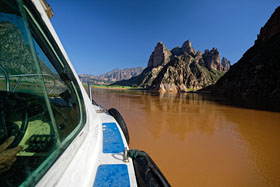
(184, 73)
(186, 48)
(212, 59)
(257, 73)
(180, 69)
(160, 56)
(225, 63)
(271, 28)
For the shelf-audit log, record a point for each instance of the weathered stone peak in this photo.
(160, 43)
(225, 60)
(199, 53)
(181, 68)
(187, 44)
(212, 59)
(214, 50)
(225, 63)
(160, 55)
(187, 47)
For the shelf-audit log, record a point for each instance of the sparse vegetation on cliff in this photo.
(180, 69)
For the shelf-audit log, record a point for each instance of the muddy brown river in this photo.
(198, 140)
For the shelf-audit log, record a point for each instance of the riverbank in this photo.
(114, 87)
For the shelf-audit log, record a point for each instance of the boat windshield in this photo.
(40, 102)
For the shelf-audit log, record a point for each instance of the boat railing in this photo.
(89, 86)
(90, 94)
(6, 75)
(20, 76)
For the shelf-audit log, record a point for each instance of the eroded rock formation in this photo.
(160, 56)
(180, 69)
(225, 63)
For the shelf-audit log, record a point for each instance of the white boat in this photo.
(51, 131)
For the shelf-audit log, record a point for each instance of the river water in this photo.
(198, 140)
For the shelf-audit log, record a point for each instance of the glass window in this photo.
(41, 109)
(61, 95)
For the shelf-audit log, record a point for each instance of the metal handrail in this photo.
(6, 75)
(20, 76)
(89, 86)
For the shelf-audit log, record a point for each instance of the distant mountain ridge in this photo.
(114, 75)
(180, 69)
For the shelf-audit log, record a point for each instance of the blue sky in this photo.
(100, 35)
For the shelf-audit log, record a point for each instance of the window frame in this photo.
(42, 34)
(45, 40)
(49, 42)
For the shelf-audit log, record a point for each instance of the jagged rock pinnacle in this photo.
(225, 63)
(187, 47)
(160, 56)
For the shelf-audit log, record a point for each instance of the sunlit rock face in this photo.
(180, 69)
(184, 73)
(189, 70)
(160, 56)
(225, 63)
(212, 59)
(187, 48)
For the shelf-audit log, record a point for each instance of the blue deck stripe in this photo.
(112, 140)
(112, 175)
